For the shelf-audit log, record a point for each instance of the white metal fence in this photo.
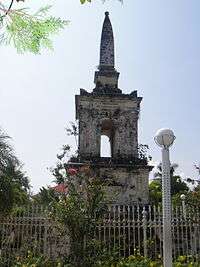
(134, 229)
(33, 230)
(128, 229)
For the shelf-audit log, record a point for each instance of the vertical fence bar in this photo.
(124, 229)
(104, 229)
(150, 237)
(109, 228)
(192, 240)
(119, 229)
(138, 229)
(182, 233)
(129, 231)
(187, 233)
(133, 228)
(155, 224)
(144, 225)
(45, 236)
(197, 236)
(160, 231)
(173, 234)
(114, 226)
(177, 226)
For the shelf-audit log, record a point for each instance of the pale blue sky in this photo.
(157, 45)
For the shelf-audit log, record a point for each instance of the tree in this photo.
(6, 151)
(178, 186)
(158, 170)
(155, 192)
(77, 207)
(14, 184)
(46, 196)
(193, 196)
(28, 32)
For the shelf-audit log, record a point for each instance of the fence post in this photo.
(45, 239)
(183, 205)
(144, 225)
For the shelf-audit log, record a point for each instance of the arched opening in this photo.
(107, 131)
(105, 146)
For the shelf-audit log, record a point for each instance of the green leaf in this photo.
(43, 10)
(31, 33)
(84, 1)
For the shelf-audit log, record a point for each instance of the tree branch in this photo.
(10, 6)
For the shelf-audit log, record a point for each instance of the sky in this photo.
(157, 48)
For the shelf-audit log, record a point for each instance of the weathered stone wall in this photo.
(114, 115)
(92, 111)
(127, 185)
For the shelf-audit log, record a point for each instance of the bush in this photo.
(104, 260)
(31, 260)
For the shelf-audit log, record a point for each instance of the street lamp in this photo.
(165, 138)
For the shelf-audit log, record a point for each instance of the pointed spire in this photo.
(106, 78)
(107, 58)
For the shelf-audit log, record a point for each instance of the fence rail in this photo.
(125, 228)
(137, 228)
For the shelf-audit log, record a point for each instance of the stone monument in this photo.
(108, 111)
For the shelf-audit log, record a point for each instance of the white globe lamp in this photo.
(164, 137)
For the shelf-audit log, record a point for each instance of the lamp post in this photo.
(165, 138)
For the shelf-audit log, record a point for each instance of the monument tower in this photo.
(108, 111)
